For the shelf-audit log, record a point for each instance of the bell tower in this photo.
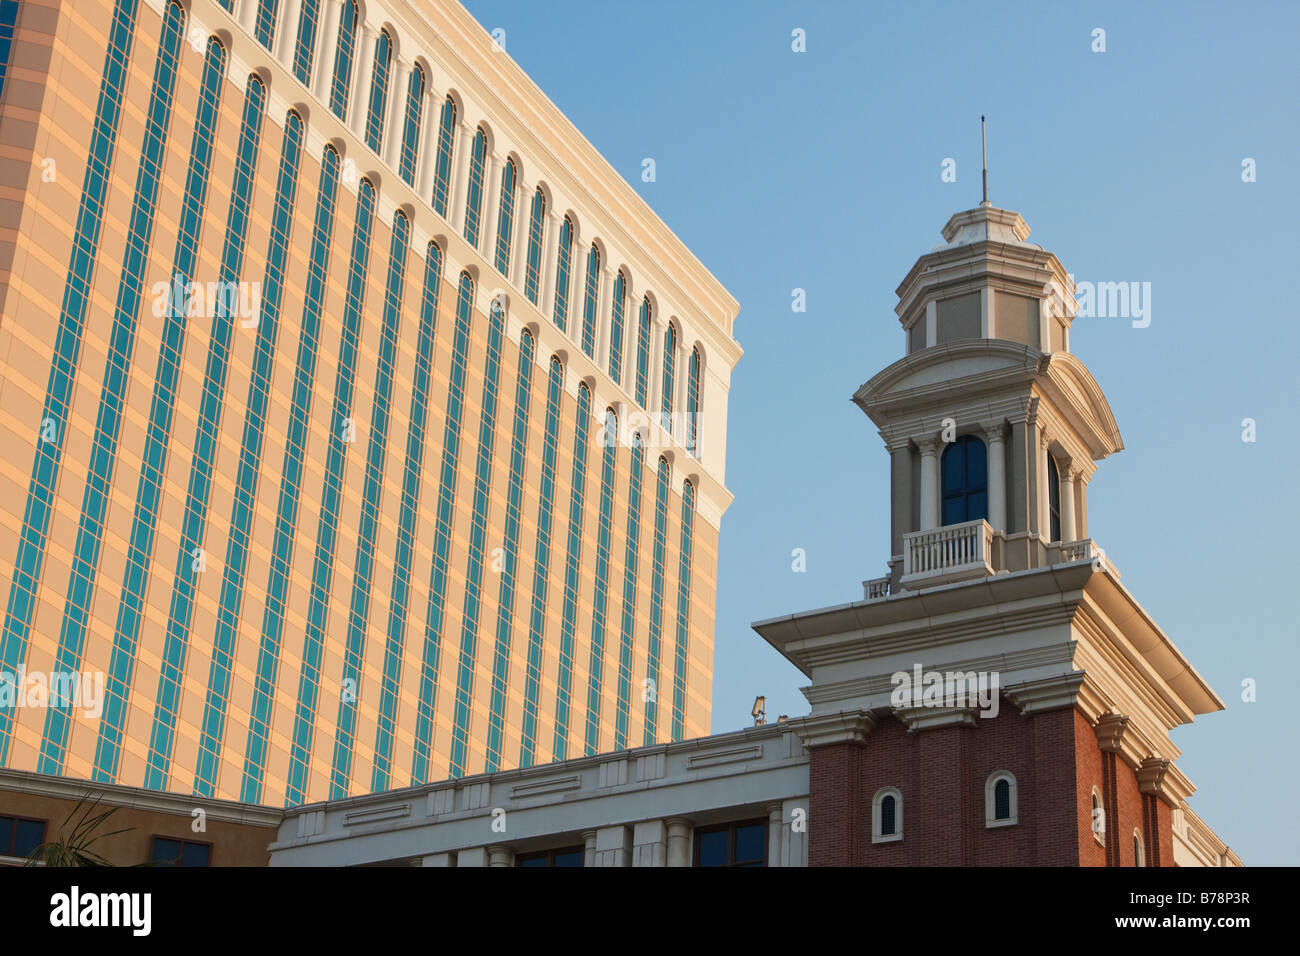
(993, 427)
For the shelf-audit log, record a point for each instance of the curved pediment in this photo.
(944, 367)
(1071, 387)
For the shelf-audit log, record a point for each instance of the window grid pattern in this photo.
(616, 330)
(305, 49)
(474, 189)
(8, 22)
(411, 131)
(343, 60)
(506, 217)
(600, 592)
(144, 518)
(628, 626)
(341, 432)
(190, 559)
(264, 28)
(656, 603)
(589, 302)
(643, 354)
(286, 520)
(533, 264)
(563, 266)
(542, 565)
(117, 375)
(379, 91)
(510, 551)
(446, 145)
(693, 403)
(400, 592)
(250, 463)
(473, 605)
(669, 382)
(683, 610)
(372, 490)
(442, 531)
(572, 574)
(67, 349)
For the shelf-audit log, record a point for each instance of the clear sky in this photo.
(821, 170)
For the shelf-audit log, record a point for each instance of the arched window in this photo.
(446, 143)
(1098, 817)
(533, 265)
(343, 60)
(1000, 801)
(589, 299)
(669, 378)
(506, 216)
(965, 481)
(887, 815)
(616, 329)
(379, 91)
(693, 401)
(474, 191)
(563, 265)
(305, 48)
(643, 353)
(411, 131)
(1139, 850)
(1054, 498)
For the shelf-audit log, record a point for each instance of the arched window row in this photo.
(425, 135)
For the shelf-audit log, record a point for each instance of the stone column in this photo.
(327, 46)
(679, 842)
(588, 847)
(519, 242)
(997, 478)
(929, 482)
(775, 824)
(399, 78)
(1044, 490)
(604, 316)
(248, 16)
(491, 209)
(900, 496)
(363, 76)
(650, 844)
(614, 846)
(460, 175)
(1069, 528)
(501, 856)
(427, 149)
(1081, 507)
(287, 35)
(547, 266)
(656, 375)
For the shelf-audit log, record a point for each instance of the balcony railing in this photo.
(948, 554)
(876, 588)
(1067, 552)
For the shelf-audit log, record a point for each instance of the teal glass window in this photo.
(590, 299)
(656, 602)
(509, 556)
(408, 515)
(669, 382)
(304, 52)
(446, 146)
(371, 499)
(411, 131)
(533, 265)
(506, 216)
(643, 354)
(8, 27)
(563, 265)
(473, 605)
(347, 37)
(693, 402)
(291, 474)
(572, 573)
(474, 190)
(600, 590)
(264, 26)
(541, 564)
(616, 328)
(379, 91)
(144, 518)
(683, 610)
(627, 629)
(448, 477)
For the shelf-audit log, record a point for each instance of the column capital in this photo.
(928, 444)
(849, 727)
(1043, 438)
(994, 431)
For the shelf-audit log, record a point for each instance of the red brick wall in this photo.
(941, 774)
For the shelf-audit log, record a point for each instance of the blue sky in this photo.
(821, 171)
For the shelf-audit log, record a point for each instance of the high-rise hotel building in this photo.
(361, 425)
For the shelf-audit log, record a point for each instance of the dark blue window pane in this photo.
(713, 848)
(1002, 800)
(749, 843)
(964, 468)
(570, 858)
(534, 861)
(6, 833)
(195, 854)
(888, 806)
(166, 852)
(28, 835)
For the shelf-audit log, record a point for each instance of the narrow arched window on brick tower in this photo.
(887, 815)
(1001, 804)
(1139, 851)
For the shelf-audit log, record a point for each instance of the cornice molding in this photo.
(1052, 693)
(1160, 777)
(933, 718)
(848, 727)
